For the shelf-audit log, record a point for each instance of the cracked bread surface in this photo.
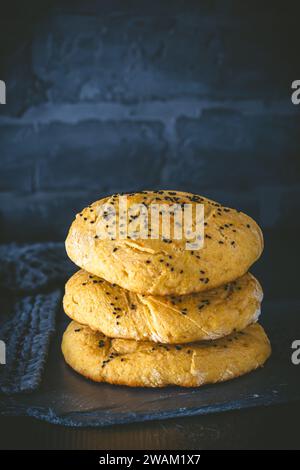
(119, 313)
(232, 243)
(147, 364)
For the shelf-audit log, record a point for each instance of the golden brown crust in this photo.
(119, 313)
(146, 364)
(233, 242)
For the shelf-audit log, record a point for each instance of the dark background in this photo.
(107, 96)
(110, 96)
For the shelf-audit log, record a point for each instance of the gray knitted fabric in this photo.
(31, 278)
(30, 268)
(27, 335)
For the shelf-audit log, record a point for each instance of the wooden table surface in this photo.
(273, 427)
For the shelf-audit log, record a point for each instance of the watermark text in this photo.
(2, 92)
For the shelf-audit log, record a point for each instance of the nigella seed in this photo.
(78, 329)
(178, 348)
(101, 343)
(114, 250)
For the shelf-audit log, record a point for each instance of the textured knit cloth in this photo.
(31, 280)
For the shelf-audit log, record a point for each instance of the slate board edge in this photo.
(102, 418)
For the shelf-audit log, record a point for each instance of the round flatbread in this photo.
(146, 364)
(119, 313)
(110, 245)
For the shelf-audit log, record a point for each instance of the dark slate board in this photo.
(69, 399)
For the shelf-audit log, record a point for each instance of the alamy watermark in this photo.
(296, 354)
(168, 222)
(2, 352)
(296, 94)
(2, 92)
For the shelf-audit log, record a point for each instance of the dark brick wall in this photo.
(104, 97)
